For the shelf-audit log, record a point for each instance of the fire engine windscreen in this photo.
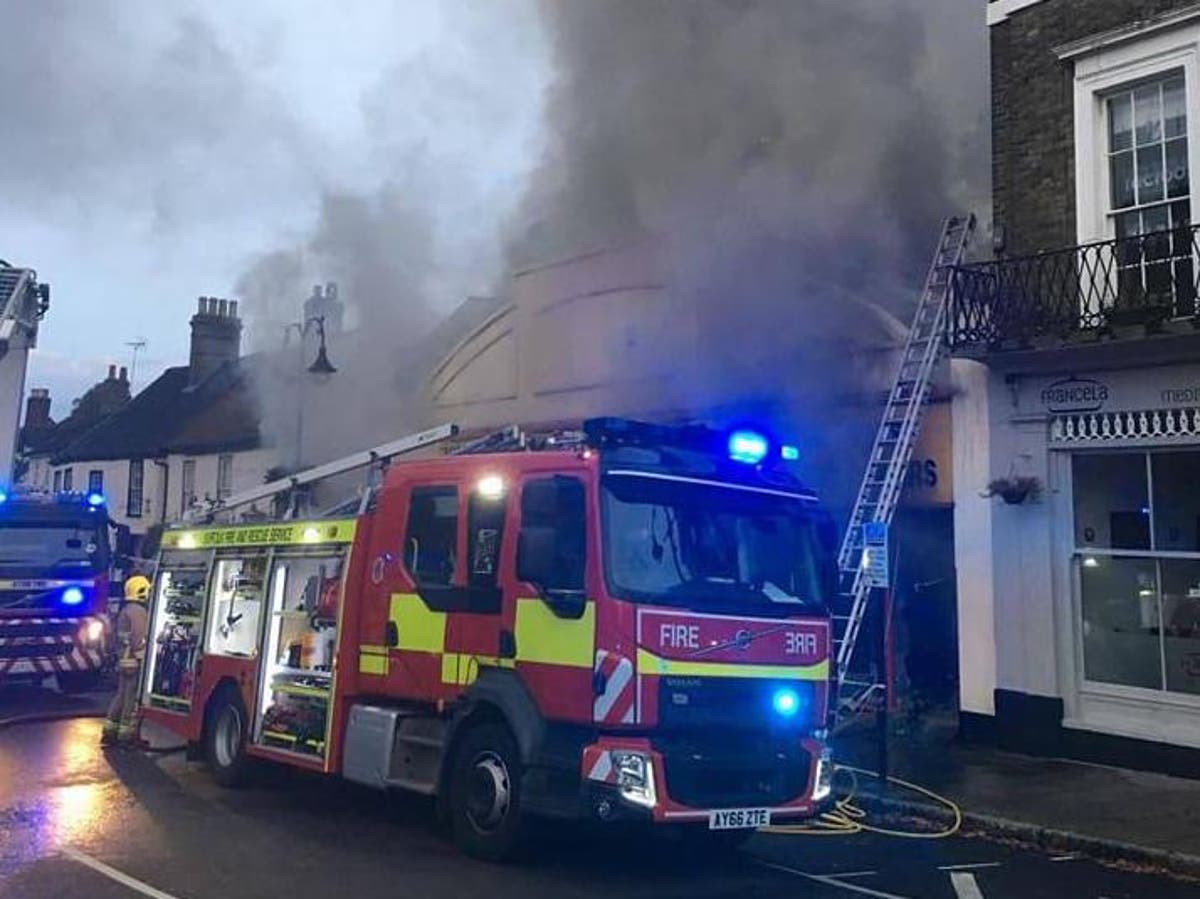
(675, 542)
(66, 549)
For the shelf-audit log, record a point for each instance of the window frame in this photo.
(1106, 71)
(224, 475)
(96, 480)
(583, 482)
(439, 489)
(187, 485)
(1078, 553)
(57, 480)
(135, 488)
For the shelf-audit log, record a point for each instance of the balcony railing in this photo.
(1071, 293)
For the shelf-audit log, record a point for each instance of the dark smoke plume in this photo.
(797, 157)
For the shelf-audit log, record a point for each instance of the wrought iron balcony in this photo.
(1094, 290)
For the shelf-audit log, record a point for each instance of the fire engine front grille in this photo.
(739, 773)
(731, 702)
(35, 650)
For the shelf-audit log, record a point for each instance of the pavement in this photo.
(79, 822)
(1110, 813)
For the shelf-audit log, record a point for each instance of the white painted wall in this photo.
(970, 434)
(249, 470)
(116, 489)
(38, 474)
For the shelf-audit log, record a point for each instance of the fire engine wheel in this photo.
(485, 794)
(225, 741)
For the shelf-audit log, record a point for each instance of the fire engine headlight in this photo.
(635, 777)
(92, 632)
(824, 782)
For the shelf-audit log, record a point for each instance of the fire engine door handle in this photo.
(508, 645)
(392, 634)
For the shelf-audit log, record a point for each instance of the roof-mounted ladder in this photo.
(891, 452)
(370, 458)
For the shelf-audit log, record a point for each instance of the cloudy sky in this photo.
(156, 151)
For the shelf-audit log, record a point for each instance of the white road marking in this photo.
(964, 885)
(832, 881)
(113, 874)
(841, 874)
(970, 867)
(1065, 858)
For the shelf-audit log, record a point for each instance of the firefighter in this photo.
(121, 726)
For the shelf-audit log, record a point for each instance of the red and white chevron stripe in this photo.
(600, 767)
(616, 704)
(60, 650)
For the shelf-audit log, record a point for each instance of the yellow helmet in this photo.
(137, 588)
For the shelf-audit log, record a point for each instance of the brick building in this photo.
(1078, 391)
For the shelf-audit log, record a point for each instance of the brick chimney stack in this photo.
(216, 337)
(37, 408)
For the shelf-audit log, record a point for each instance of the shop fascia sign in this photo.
(1130, 390)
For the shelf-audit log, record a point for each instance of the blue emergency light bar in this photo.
(747, 446)
(744, 445)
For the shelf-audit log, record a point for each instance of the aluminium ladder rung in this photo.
(900, 421)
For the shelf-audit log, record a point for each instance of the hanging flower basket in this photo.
(1014, 490)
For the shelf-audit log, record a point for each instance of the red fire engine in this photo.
(631, 623)
(55, 559)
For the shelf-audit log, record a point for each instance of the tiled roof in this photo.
(168, 416)
(221, 413)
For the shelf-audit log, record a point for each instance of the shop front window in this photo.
(1181, 624)
(1137, 544)
(1121, 622)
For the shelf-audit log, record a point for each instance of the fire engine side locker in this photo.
(233, 625)
(279, 681)
(195, 552)
(176, 628)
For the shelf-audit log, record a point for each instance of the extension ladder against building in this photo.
(891, 452)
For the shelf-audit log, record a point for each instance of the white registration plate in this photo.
(738, 818)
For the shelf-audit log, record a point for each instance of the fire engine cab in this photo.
(55, 567)
(628, 622)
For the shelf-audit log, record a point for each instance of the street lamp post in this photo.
(321, 366)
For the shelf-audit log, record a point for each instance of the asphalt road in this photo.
(81, 824)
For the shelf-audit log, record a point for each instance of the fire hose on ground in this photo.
(847, 817)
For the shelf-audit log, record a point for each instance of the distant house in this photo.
(202, 431)
(192, 434)
(42, 439)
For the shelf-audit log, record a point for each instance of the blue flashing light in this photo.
(749, 447)
(3, 496)
(95, 500)
(789, 453)
(786, 702)
(72, 596)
